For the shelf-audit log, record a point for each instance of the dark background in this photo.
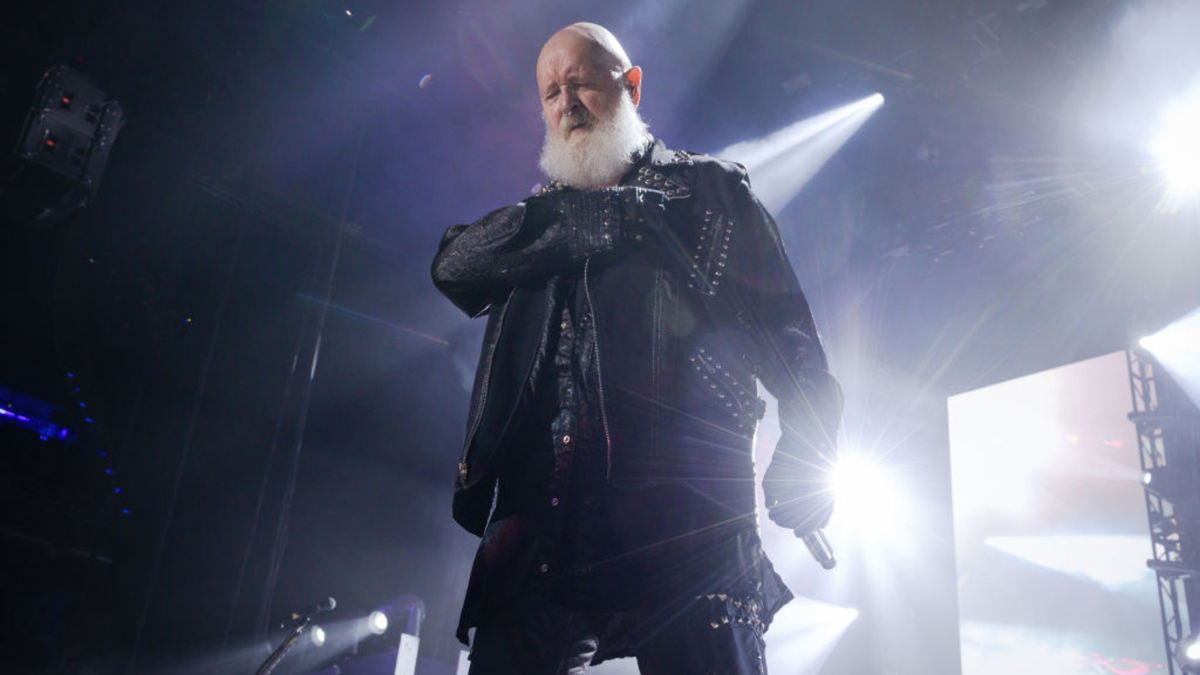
(982, 225)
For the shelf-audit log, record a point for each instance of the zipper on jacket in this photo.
(483, 392)
(587, 292)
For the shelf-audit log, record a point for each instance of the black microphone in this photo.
(819, 547)
(312, 610)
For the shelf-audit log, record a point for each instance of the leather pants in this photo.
(533, 636)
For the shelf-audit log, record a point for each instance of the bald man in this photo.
(632, 307)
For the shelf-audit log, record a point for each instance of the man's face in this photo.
(578, 89)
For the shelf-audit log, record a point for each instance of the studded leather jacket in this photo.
(693, 300)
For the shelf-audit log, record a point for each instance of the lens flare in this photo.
(868, 497)
(1177, 148)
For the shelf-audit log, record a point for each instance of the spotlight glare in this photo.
(1192, 651)
(866, 496)
(1147, 478)
(317, 635)
(1177, 147)
(377, 622)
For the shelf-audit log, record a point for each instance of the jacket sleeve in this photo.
(478, 264)
(786, 346)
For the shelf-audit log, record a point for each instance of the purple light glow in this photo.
(7, 413)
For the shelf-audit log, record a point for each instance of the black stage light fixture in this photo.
(1167, 482)
(62, 149)
(406, 611)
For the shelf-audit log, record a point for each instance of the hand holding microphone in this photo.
(799, 498)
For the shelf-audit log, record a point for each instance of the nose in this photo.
(568, 102)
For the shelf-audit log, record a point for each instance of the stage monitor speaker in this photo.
(62, 150)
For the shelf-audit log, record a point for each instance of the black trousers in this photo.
(701, 636)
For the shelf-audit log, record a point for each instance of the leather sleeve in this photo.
(790, 359)
(478, 264)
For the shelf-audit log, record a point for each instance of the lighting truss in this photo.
(1168, 431)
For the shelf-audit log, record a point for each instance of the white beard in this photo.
(599, 156)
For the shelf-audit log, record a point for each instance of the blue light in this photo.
(108, 471)
(125, 511)
(88, 420)
(82, 404)
(70, 374)
(63, 433)
(76, 390)
(117, 490)
(102, 453)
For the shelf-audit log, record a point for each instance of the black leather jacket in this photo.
(690, 308)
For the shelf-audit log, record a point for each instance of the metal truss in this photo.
(1168, 431)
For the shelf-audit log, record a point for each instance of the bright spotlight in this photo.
(317, 635)
(1187, 653)
(377, 622)
(1177, 146)
(867, 496)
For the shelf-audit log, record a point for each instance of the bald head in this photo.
(591, 41)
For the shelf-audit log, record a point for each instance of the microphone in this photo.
(312, 610)
(819, 547)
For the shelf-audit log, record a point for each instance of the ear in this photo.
(633, 80)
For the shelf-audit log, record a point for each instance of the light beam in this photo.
(781, 163)
(1177, 348)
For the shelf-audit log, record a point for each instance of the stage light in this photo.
(1168, 483)
(377, 622)
(1192, 651)
(406, 611)
(867, 497)
(1187, 653)
(317, 635)
(1176, 146)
